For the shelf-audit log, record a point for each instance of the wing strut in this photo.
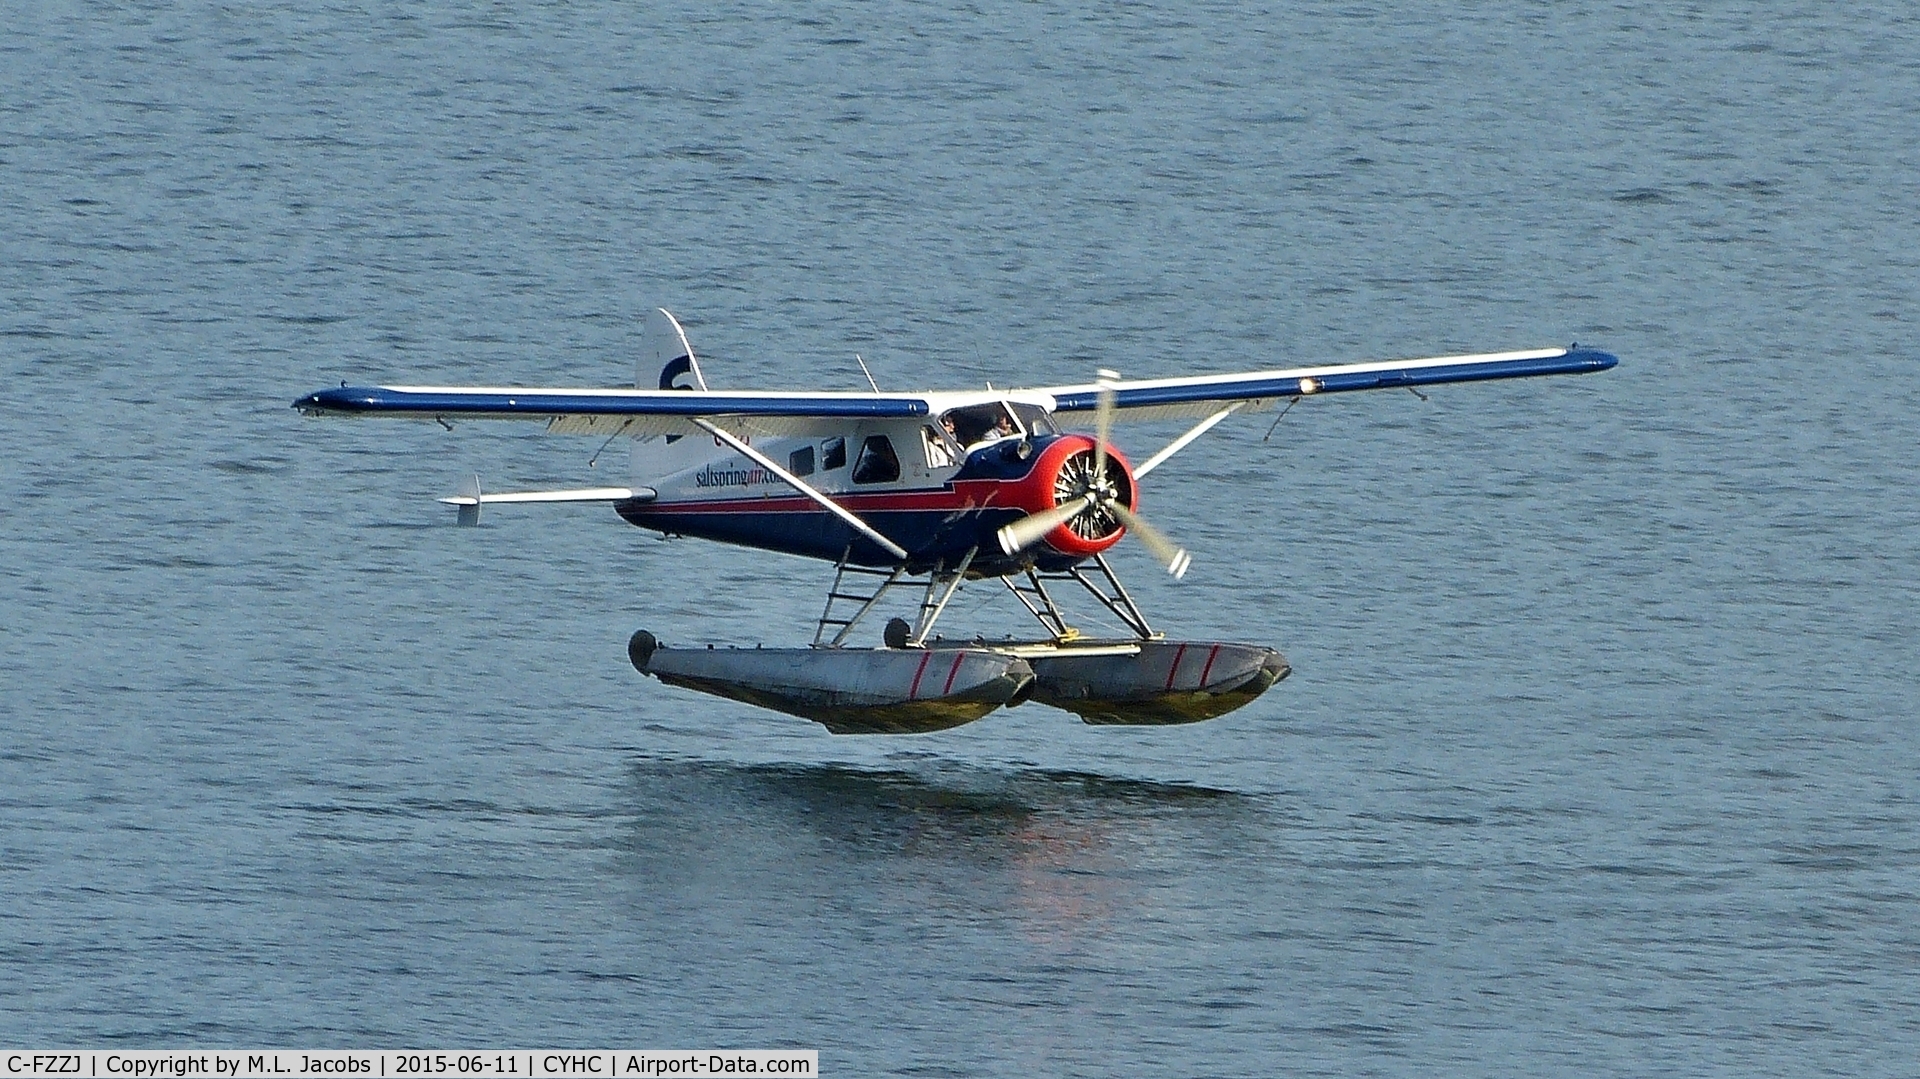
(740, 446)
(1180, 443)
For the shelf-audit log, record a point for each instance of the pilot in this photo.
(1003, 426)
(946, 424)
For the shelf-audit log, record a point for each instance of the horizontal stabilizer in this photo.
(584, 494)
(470, 498)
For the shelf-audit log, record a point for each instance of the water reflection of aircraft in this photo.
(922, 490)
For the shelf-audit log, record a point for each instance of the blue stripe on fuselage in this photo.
(931, 536)
(934, 524)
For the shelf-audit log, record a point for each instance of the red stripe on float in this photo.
(955, 669)
(914, 692)
(1208, 669)
(1175, 669)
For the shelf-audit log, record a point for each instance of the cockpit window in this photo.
(979, 423)
(877, 462)
(1035, 419)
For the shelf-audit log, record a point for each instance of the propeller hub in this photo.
(1066, 471)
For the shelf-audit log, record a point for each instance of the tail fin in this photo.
(664, 348)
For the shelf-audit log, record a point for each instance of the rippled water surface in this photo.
(1599, 755)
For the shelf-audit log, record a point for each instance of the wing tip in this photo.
(344, 398)
(1594, 359)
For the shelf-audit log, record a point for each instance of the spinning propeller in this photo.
(1092, 499)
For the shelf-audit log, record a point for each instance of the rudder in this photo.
(666, 359)
(667, 362)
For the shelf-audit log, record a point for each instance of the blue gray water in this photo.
(1600, 754)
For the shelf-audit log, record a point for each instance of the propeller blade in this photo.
(1170, 554)
(1103, 421)
(1027, 531)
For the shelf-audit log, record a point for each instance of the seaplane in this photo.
(919, 494)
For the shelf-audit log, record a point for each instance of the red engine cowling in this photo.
(1063, 472)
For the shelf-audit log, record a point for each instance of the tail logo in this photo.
(675, 370)
(670, 377)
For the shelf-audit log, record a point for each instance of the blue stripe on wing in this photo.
(1371, 376)
(534, 404)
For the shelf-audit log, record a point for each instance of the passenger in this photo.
(939, 453)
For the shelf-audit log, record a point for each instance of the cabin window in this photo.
(800, 461)
(940, 450)
(877, 462)
(833, 454)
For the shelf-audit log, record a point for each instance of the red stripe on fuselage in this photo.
(964, 495)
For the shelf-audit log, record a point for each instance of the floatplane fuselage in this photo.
(926, 491)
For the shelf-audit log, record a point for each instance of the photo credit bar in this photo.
(407, 1063)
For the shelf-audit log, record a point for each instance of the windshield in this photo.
(979, 423)
(1034, 419)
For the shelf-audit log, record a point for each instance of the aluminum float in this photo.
(1156, 683)
(848, 690)
(921, 689)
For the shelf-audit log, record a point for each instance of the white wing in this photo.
(1203, 395)
(640, 413)
(637, 413)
